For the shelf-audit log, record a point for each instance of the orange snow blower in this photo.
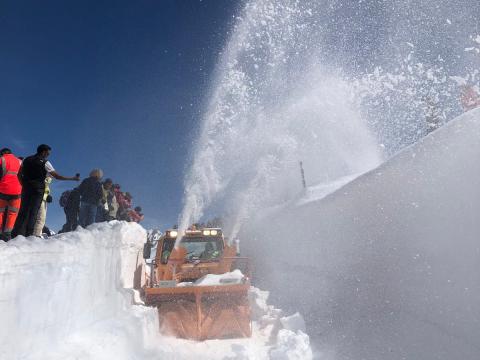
(192, 284)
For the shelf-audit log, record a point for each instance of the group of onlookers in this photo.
(96, 201)
(25, 193)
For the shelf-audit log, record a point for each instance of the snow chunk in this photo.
(459, 80)
(234, 277)
(291, 346)
(293, 323)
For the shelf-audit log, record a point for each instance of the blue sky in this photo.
(118, 85)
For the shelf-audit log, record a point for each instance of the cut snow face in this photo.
(386, 267)
(71, 297)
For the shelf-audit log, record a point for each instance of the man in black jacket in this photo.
(32, 175)
(91, 193)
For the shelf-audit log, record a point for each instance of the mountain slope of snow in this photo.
(386, 267)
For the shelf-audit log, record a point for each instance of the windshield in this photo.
(200, 248)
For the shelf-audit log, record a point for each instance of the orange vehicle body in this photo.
(198, 312)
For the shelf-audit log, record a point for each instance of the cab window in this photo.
(206, 249)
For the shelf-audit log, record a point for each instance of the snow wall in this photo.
(64, 297)
(387, 267)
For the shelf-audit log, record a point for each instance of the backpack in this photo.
(64, 198)
(73, 201)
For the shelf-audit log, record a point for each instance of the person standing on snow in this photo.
(119, 199)
(469, 97)
(135, 215)
(124, 203)
(42, 211)
(112, 205)
(124, 206)
(32, 175)
(104, 207)
(91, 196)
(10, 192)
(70, 201)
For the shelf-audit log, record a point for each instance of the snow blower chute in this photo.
(198, 287)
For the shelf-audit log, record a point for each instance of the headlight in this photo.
(206, 232)
(213, 232)
(173, 233)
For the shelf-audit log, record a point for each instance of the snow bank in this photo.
(387, 267)
(70, 297)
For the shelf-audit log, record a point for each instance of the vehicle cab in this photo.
(201, 245)
(197, 253)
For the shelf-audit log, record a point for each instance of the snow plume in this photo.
(398, 99)
(274, 103)
(398, 102)
(335, 84)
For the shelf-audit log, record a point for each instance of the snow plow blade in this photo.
(202, 312)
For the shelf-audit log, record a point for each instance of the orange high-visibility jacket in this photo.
(9, 166)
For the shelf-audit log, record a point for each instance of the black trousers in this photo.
(31, 201)
(71, 215)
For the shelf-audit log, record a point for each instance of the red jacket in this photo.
(135, 216)
(470, 98)
(123, 201)
(9, 167)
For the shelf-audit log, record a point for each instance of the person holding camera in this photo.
(91, 197)
(32, 175)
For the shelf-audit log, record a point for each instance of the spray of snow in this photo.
(309, 81)
(274, 103)
(397, 101)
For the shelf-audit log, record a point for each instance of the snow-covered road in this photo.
(70, 297)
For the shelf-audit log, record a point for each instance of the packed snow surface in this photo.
(70, 297)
